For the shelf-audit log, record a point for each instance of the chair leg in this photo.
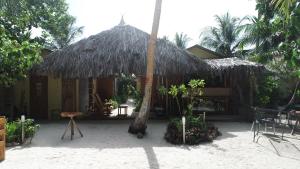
(274, 130)
(265, 127)
(296, 124)
(252, 126)
(282, 133)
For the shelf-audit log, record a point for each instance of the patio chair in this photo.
(273, 116)
(267, 117)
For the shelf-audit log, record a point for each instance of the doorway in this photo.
(39, 97)
(68, 95)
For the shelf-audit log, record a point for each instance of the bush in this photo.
(14, 130)
(113, 103)
(11, 129)
(197, 131)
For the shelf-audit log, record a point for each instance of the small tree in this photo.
(194, 90)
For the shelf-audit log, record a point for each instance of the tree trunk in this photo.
(139, 124)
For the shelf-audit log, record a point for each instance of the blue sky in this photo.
(188, 16)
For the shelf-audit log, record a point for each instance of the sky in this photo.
(188, 16)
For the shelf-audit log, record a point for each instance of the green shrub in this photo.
(11, 128)
(114, 103)
(14, 130)
(197, 131)
(268, 88)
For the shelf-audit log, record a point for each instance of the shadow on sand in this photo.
(113, 135)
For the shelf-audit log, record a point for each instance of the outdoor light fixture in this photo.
(183, 129)
(22, 123)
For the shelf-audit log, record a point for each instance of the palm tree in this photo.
(67, 34)
(225, 37)
(284, 6)
(181, 40)
(258, 34)
(139, 124)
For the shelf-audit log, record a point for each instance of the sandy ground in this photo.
(106, 144)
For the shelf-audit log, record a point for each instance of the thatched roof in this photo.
(234, 66)
(122, 49)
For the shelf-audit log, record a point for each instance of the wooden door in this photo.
(68, 95)
(105, 87)
(39, 97)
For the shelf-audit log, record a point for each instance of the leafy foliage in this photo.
(267, 90)
(181, 40)
(137, 97)
(113, 102)
(224, 38)
(19, 20)
(197, 131)
(16, 57)
(194, 89)
(14, 130)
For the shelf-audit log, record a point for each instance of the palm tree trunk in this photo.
(139, 124)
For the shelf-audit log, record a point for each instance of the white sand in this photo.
(106, 144)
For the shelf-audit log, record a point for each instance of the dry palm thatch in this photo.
(121, 49)
(235, 67)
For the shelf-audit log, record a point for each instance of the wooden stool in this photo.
(71, 123)
(124, 106)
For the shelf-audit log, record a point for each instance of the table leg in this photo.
(254, 129)
(72, 128)
(62, 137)
(77, 128)
(126, 111)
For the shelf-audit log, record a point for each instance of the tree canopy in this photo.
(19, 49)
(181, 40)
(224, 38)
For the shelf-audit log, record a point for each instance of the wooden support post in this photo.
(77, 95)
(251, 90)
(94, 89)
(2, 137)
(167, 98)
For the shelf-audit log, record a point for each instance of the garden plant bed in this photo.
(194, 135)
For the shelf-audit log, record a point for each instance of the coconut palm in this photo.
(181, 40)
(67, 34)
(257, 33)
(225, 37)
(284, 6)
(139, 124)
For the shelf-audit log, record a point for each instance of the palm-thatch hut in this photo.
(67, 79)
(121, 49)
(92, 65)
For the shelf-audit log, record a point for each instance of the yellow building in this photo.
(204, 53)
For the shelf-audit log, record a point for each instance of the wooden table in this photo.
(296, 114)
(124, 106)
(71, 123)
